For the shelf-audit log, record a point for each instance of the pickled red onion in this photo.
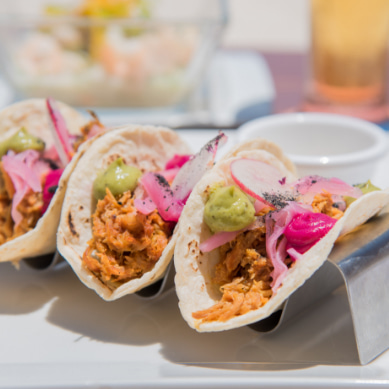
(24, 170)
(276, 223)
(145, 206)
(169, 174)
(52, 180)
(160, 192)
(22, 165)
(142, 202)
(177, 161)
(293, 253)
(52, 154)
(301, 229)
(217, 240)
(276, 254)
(306, 229)
(222, 237)
(335, 186)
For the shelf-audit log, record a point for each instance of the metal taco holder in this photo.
(50, 261)
(44, 262)
(360, 262)
(159, 287)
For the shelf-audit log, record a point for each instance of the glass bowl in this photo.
(154, 58)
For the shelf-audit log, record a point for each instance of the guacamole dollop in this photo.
(228, 209)
(118, 178)
(365, 187)
(22, 141)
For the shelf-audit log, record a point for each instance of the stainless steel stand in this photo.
(159, 287)
(360, 261)
(45, 262)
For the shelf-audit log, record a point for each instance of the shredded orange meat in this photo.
(125, 244)
(30, 208)
(324, 203)
(6, 222)
(94, 125)
(243, 272)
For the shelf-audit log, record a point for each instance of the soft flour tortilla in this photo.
(34, 116)
(194, 270)
(148, 148)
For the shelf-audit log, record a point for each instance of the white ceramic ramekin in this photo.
(324, 144)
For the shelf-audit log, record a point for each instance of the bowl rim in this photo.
(376, 151)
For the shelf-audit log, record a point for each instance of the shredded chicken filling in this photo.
(324, 203)
(243, 275)
(126, 243)
(243, 272)
(30, 208)
(93, 127)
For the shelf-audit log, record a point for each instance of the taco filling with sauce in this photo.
(261, 226)
(30, 172)
(136, 214)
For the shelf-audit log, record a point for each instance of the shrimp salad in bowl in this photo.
(124, 48)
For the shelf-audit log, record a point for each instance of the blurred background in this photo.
(203, 63)
(274, 26)
(277, 25)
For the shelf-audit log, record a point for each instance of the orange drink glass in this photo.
(348, 58)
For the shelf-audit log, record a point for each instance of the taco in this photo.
(123, 201)
(38, 138)
(252, 233)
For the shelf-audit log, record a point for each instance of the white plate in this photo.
(56, 333)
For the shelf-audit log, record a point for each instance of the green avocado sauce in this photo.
(228, 209)
(22, 141)
(118, 178)
(365, 187)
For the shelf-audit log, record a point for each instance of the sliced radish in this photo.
(62, 138)
(50, 187)
(194, 168)
(156, 186)
(257, 178)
